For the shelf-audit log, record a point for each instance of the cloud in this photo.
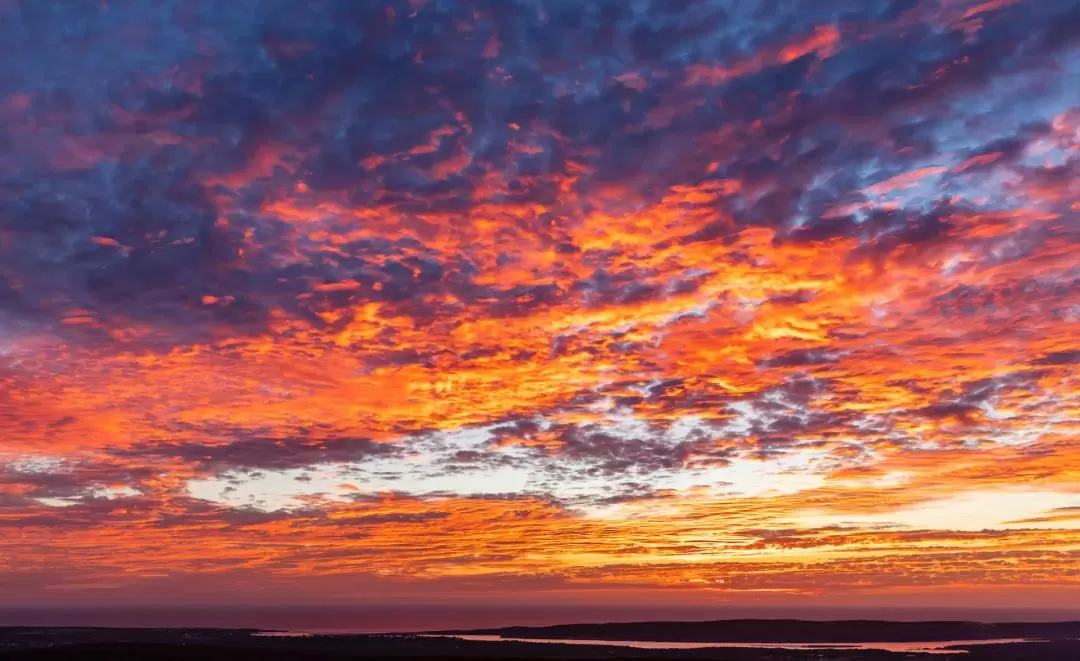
(307, 294)
(262, 453)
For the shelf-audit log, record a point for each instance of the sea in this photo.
(938, 647)
(403, 618)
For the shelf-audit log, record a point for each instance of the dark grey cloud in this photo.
(261, 453)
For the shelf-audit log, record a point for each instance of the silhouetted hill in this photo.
(792, 631)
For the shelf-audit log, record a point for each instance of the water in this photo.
(402, 618)
(342, 619)
(925, 647)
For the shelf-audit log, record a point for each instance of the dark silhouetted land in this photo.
(92, 644)
(793, 631)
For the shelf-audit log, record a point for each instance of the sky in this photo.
(540, 301)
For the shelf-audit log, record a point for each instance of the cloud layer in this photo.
(457, 298)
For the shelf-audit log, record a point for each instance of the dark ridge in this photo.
(792, 631)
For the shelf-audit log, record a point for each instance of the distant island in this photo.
(789, 631)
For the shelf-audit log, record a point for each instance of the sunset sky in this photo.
(612, 301)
